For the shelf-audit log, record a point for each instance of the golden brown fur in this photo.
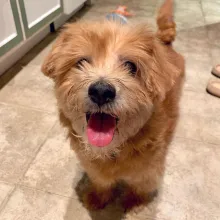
(147, 104)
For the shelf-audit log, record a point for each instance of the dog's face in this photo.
(108, 79)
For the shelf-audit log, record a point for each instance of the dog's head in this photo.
(108, 78)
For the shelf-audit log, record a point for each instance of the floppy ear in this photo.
(165, 72)
(49, 64)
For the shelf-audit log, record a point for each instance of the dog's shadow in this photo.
(110, 212)
(113, 210)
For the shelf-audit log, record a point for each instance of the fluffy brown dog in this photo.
(118, 88)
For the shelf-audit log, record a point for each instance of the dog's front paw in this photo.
(95, 201)
(131, 200)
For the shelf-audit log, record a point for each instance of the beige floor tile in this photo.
(198, 53)
(56, 168)
(215, 53)
(211, 19)
(214, 34)
(5, 190)
(97, 13)
(150, 22)
(144, 12)
(103, 8)
(197, 127)
(199, 49)
(198, 72)
(199, 34)
(186, 13)
(181, 42)
(190, 187)
(89, 15)
(28, 204)
(205, 106)
(211, 11)
(30, 88)
(22, 131)
(194, 82)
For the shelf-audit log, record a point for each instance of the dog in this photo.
(117, 88)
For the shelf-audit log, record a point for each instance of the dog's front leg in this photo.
(139, 192)
(99, 194)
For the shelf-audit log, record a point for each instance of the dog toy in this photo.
(119, 15)
(122, 10)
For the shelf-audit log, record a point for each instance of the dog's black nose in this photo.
(101, 93)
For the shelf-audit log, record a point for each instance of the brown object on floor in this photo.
(216, 70)
(213, 88)
(118, 89)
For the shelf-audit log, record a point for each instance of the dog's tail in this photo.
(165, 22)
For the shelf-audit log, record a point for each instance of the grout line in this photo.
(38, 150)
(203, 12)
(7, 183)
(196, 140)
(207, 31)
(191, 90)
(26, 107)
(19, 185)
(7, 198)
(15, 186)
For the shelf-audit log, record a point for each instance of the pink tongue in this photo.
(100, 129)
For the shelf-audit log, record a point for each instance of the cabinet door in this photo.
(10, 27)
(37, 13)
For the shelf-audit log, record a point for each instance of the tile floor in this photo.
(39, 172)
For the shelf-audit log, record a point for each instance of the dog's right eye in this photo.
(131, 67)
(82, 62)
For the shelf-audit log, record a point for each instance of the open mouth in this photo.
(100, 128)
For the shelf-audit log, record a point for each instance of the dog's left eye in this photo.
(131, 67)
(81, 62)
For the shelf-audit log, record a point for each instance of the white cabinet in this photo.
(23, 23)
(38, 10)
(11, 33)
(32, 15)
(7, 23)
(37, 13)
